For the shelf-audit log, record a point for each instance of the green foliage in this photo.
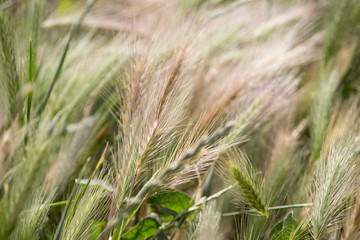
(283, 229)
(97, 226)
(171, 199)
(144, 229)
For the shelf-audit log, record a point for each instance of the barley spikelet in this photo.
(8, 62)
(334, 186)
(238, 169)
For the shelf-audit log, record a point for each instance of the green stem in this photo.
(73, 29)
(58, 204)
(270, 208)
(31, 80)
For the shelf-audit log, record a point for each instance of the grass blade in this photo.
(31, 79)
(63, 56)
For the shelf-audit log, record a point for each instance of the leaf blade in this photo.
(171, 199)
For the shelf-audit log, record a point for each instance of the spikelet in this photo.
(334, 186)
(237, 169)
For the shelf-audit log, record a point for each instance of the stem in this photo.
(58, 204)
(270, 208)
(212, 197)
(31, 80)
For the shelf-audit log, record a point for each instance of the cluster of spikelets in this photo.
(219, 119)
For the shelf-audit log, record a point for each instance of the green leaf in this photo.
(276, 232)
(283, 230)
(145, 229)
(96, 229)
(171, 199)
(164, 213)
(116, 234)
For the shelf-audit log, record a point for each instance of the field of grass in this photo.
(183, 119)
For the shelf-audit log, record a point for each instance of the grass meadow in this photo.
(182, 119)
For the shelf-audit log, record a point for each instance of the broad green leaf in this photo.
(171, 199)
(282, 230)
(146, 228)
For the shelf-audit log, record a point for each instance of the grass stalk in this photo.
(73, 29)
(301, 205)
(31, 80)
